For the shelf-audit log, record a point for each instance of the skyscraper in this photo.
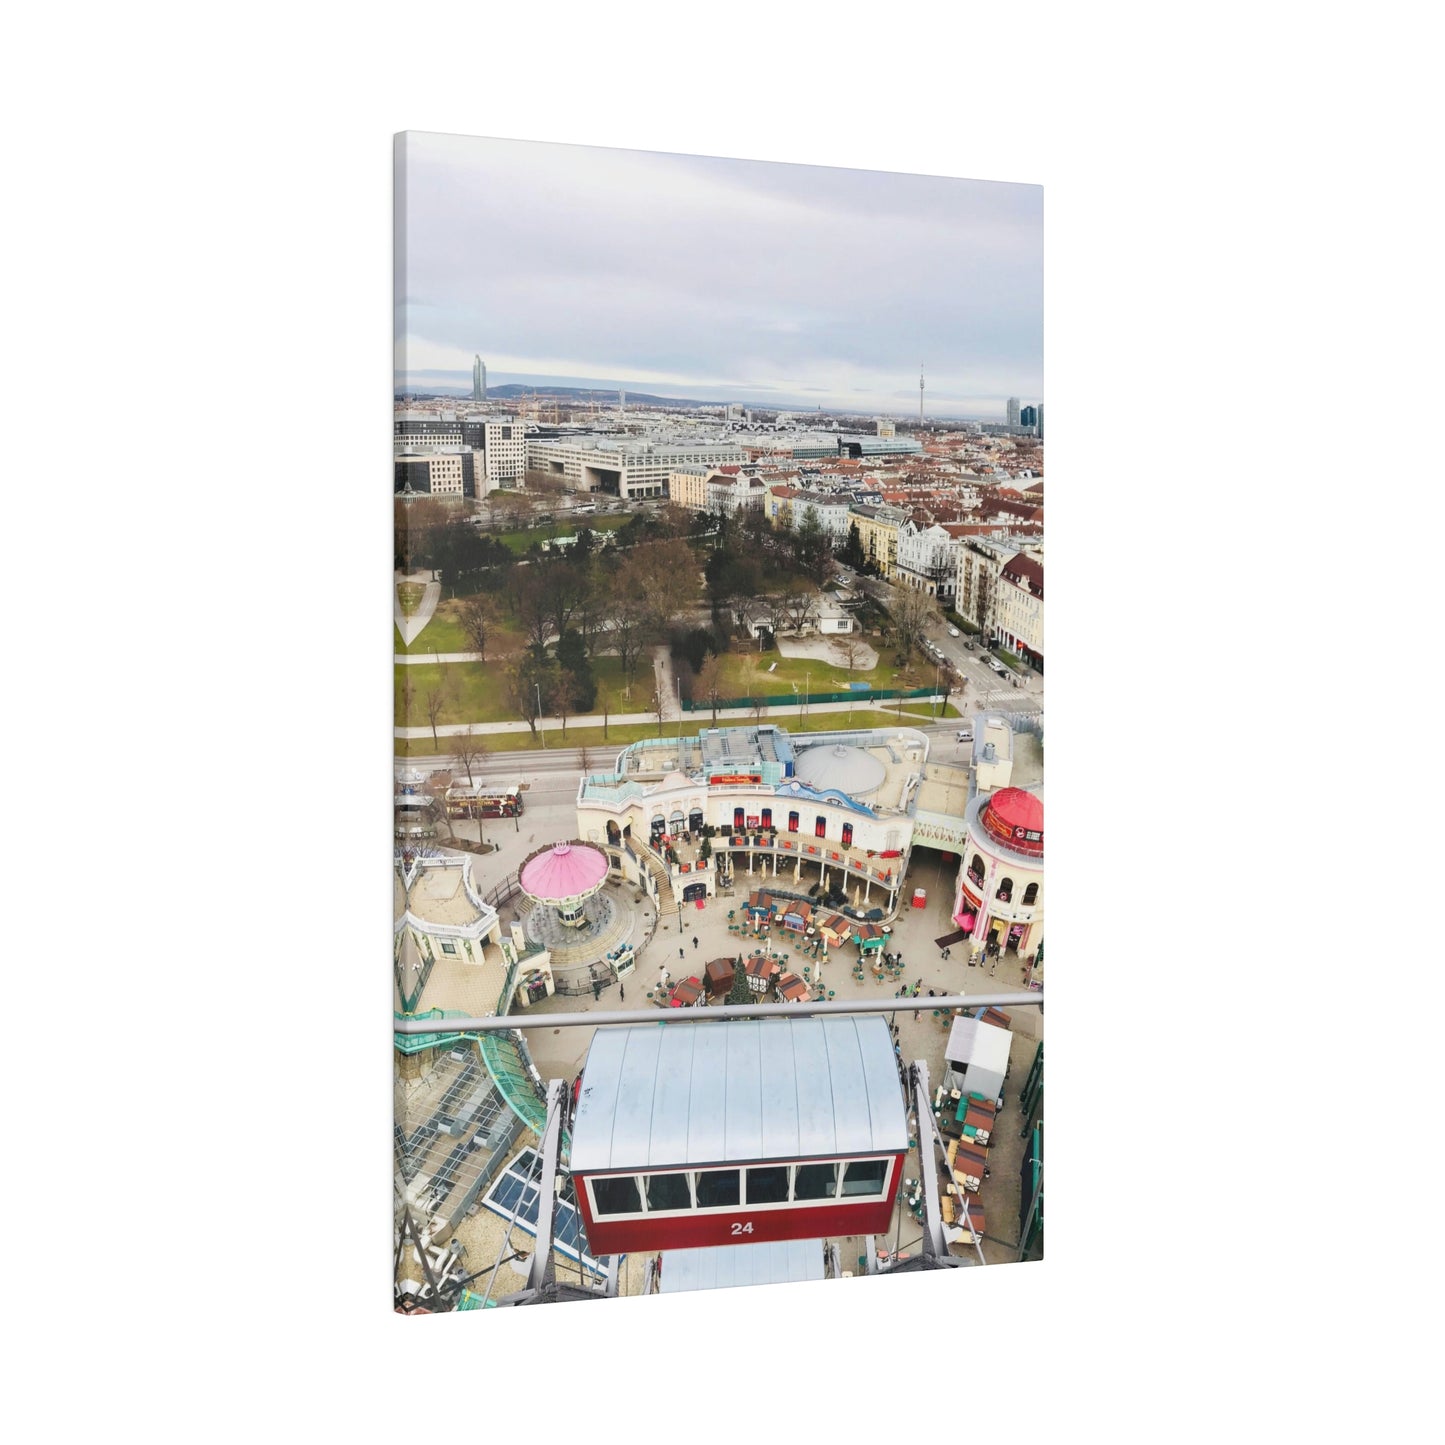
(1011, 416)
(479, 379)
(1028, 416)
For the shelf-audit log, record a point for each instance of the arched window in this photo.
(1031, 893)
(767, 817)
(820, 828)
(975, 869)
(1005, 890)
(847, 835)
(739, 819)
(792, 822)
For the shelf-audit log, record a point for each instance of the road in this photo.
(985, 688)
(543, 770)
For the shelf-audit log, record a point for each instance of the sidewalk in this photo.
(733, 717)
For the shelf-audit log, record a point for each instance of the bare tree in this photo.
(775, 608)
(564, 697)
(408, 696)
(436, 701)
(665, 575)
(534, 605)
(851, 645)
(475, 616)
(801, 608)
(708, 684)
(524, 682)
(628, 629)
(469, 749)
(913, 613)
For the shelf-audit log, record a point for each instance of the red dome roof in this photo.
(1016, 818)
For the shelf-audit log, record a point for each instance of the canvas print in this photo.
(718, 944)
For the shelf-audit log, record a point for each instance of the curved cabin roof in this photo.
(680, 1095)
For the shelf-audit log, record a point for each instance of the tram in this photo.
(738, 1131)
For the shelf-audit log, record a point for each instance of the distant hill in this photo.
(583, 393)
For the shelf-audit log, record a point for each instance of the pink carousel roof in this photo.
(566, 870)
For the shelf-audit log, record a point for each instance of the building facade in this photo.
(625, 468)
(769, 805)
(927, 560)
(1019, 608)
(999, 896)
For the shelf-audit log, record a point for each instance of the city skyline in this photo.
(771, 285)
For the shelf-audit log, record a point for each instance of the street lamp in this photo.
(541, 731)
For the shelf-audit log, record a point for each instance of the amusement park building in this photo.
(846, 802)
(1000, 891)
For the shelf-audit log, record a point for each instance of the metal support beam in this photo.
(547, 1201)
(933, 1241)
(493, 1023)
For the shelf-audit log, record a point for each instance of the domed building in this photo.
(1000, 896)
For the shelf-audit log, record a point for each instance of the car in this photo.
(963, 735)
(968, 644)
(953, 632)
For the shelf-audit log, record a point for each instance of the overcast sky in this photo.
(720, 279)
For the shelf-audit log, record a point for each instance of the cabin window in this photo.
(792, 822)
(864, 1177)
(1030, 893)
(617, 1195)
(768, 1185)
(816, 1181)
(668, 1191)
(717, 1188)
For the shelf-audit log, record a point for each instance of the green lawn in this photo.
(745, 674)
(444, 634)
(519, 542)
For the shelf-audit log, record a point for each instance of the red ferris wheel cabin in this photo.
(739, 1131)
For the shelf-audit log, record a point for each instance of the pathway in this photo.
(410, 627)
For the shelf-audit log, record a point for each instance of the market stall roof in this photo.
(981, 1051)
(724, 1266)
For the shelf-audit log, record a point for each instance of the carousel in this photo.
(561, 880)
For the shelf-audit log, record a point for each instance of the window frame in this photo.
(891, 1173)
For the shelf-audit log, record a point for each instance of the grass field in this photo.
(444, 634)
(519, 542)
(745, 674)
(478, 694)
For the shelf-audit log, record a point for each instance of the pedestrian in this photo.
(681, 952)
(596, 990)
(694, 941)
(621, 993)
(916, 987)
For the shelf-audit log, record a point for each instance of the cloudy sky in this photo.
(714, 278)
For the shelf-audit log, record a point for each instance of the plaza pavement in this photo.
(560, 1053)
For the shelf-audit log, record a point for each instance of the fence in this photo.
(861, 696)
